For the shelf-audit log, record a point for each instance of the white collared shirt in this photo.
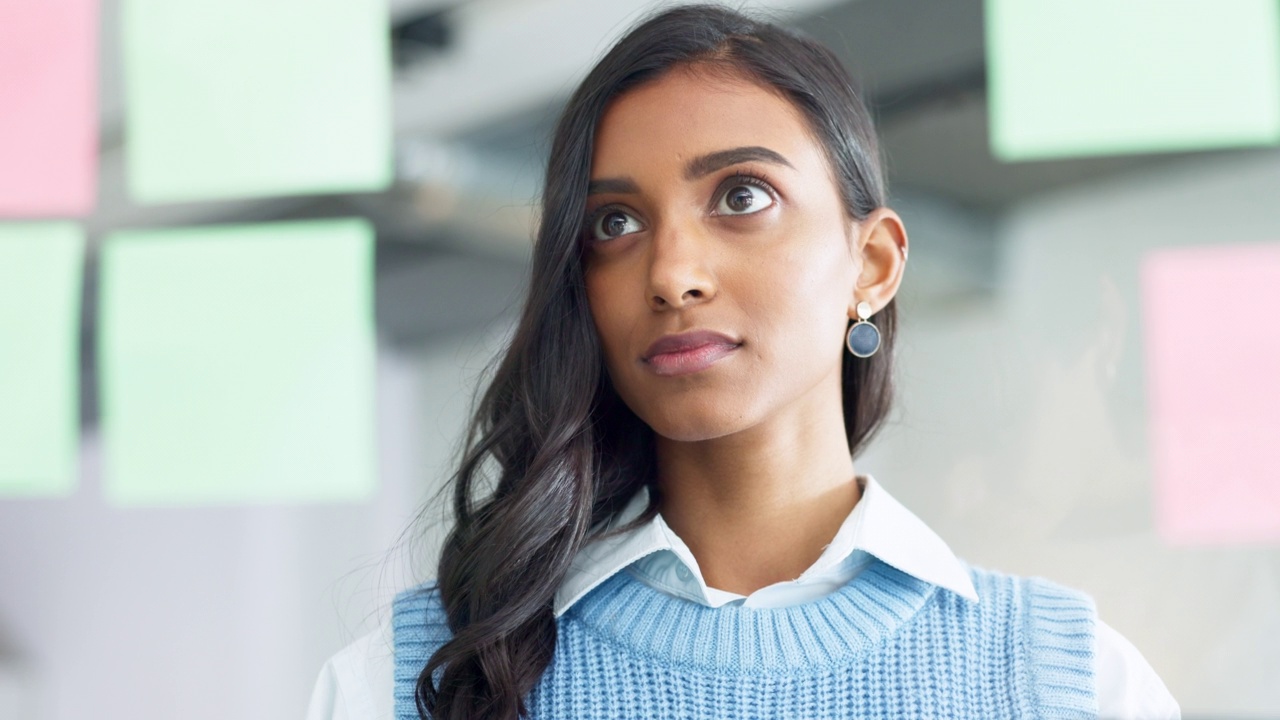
(357, 683)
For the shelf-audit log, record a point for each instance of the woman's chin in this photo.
(697, 427)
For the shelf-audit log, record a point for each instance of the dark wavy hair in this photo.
(563, 453)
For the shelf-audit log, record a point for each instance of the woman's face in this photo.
(720, 264)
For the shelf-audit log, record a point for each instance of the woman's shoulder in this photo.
(1041, 629)
(358, 681)
(419, 622)
(1064, 626)
(1034, 594)
(1053, 618)
(423, 597)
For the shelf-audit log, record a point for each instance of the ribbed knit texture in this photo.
(886, 645)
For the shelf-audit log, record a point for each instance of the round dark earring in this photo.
(864, 338)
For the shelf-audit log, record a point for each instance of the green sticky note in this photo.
(1097, 77)
(41, 266)
(244, 98)
(237, 364)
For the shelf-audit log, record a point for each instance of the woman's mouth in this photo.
(688, 352)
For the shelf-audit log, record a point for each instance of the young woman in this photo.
(676, 528)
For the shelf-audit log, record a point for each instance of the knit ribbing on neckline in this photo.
(737, 640)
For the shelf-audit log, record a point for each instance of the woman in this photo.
(677, 529)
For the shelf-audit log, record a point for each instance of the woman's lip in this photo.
(690, 359)
(687, 341)
(688, 352)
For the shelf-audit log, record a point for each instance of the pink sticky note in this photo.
(1213, 392)
(48, 107)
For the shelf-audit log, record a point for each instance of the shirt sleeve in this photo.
(358, 683)
(327, 700)
(1128, 687)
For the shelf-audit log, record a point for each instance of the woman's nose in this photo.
(680, 271)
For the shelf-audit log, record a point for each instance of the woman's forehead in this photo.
(689, 112)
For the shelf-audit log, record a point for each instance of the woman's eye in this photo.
(612, 224)
(743, 200)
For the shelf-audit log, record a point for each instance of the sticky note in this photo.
(237, 364)
(41, 271)
(1096, 77)
(48, 107)
(244, 98)
(1212, 357)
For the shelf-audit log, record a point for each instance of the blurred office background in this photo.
(1028, 431)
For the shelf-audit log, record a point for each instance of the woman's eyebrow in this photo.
(712, 162)
(696, 168)
(617, 186)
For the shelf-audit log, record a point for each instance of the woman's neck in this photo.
(757, 507)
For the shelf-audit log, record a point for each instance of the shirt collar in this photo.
(879, 525)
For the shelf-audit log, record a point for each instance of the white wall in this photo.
(1022, 428)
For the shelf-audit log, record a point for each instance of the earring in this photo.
(864, 338)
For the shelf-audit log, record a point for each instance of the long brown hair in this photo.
(566, 453)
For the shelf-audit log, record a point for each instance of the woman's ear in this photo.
(882, 243)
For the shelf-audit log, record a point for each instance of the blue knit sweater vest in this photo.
(886, 645)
